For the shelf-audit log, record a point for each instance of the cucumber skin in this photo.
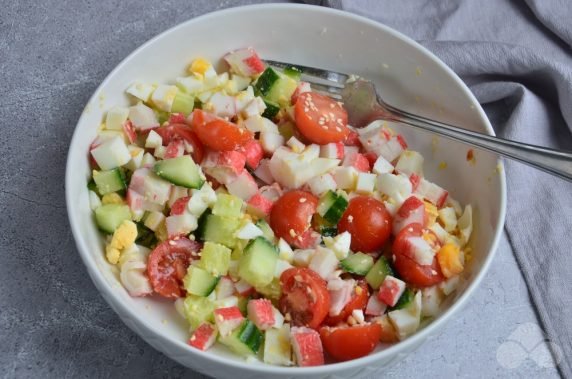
(404, 300)
(164, 169)
(335, 212)
(271, 110)
(266, 81)
(380, 269)
(102, 215)
(349, 266)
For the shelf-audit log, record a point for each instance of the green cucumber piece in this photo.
(109, 181)
(181, 171)
(266, 81)
(198, 309)
(228, 205)
(332, 206)
(199, 282)
(293, 72)
(215, 258)
(405, 299)
(378, 272)
(162, 116)
(220, 229)
(271, 110)
(258, 262)
(358, 263)
(183, 103)
(201, 223)
(244, 340)
(243, 304)
(93, 187)
(145, 236)
(109, 216)
(266, 230)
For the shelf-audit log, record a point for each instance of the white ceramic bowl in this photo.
(409, 76)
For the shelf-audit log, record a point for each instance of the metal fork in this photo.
(364, 105)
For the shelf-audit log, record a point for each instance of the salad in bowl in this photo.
(274, 227)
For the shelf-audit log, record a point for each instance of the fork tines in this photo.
(328, 83)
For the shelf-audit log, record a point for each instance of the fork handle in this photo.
(555, 162)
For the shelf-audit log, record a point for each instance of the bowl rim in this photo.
(122, 309)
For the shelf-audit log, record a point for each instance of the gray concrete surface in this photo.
(53, 322)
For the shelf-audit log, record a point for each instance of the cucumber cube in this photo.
(215, 258)
(109, 181)
(181, 171)
(228, 206)
(220, 229)
(198, 310)
(199, 282)
(258, 262)
(378, 272)
(109, 216)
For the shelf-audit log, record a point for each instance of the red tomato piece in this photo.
(183, 132)
(218, 134)
(407, 268)
(369, 223)
(320, 119)
(168, 263)
(179, 206)
(371, 158)
(359, 300)
(292, 214)
(352, 139)
(305, 297)
(350, 342)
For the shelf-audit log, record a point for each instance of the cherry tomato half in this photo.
(172, 132)
(218, 134)
(359, 300)
(407, 268)
(291, 215)
(350, 342)
(369, 223)
(320, 119)
(168, 263)
(305, 297)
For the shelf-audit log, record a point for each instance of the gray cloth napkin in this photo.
(516, 56)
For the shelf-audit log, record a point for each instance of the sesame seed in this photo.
(306, 110)
(350, 218)
(303, 200)
(332, 106)
(324, 127)
(298, 278)
(193, 337)
(292, 233)
(338, 129)
(172, 243)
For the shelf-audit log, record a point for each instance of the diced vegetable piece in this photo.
(244, 340)
(227, 206)
(332, 206)
(388, 332)
(266, 230)
(228, 319)
(153, 220)
(293, 72)
(382, 166)
(243, 186)
(199, 282)
(378, 272)
(431, 298)
(261, 313)
(258, 262)
(410, 162)
(198, 309)
(215, 258)
(183, 103)
(397, 187)
(448, 218)
(307, 346)
(391, 290)
(224, 288)
(266, 81)
(450, 285)
(203, 337)
(346, 177)
(110, 216)
(358, 263)
(365, 183)
(219, 229)
(109, 181)
(271, 110)
(181, 171)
